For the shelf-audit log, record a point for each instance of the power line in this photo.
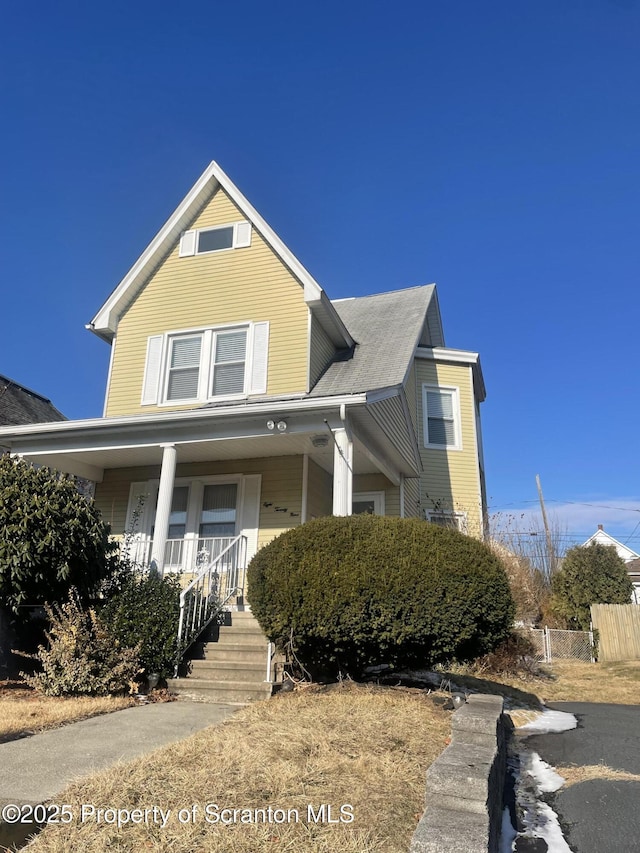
(575, 503)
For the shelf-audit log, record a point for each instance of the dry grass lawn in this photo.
(573, 775)
(562, 681)
(24, 711)
(364, 746)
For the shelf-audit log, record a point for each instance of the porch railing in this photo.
(220, 576)
(184, 554)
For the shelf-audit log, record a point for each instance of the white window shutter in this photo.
(242, 235)
(188, 244)
(150, 386)
(260, 358)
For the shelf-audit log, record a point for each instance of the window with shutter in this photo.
(441, 412)
(203, 241)
(206, 364)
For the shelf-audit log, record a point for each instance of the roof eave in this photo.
(105, 322)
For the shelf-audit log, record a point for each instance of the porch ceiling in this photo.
(90, 463)
(87, 448)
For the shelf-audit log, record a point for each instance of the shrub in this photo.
(51, 538)
(83, 656)
(349, 592)
(593, 575)
(146, 611)
(514, 656)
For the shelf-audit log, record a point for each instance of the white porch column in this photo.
(163, 511)
(342, 473)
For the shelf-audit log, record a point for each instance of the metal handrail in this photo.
(217, 581)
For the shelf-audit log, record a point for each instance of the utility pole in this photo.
(551, 557)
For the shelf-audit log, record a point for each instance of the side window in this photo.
(441, 409)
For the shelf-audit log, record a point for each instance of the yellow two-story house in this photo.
(241, 400)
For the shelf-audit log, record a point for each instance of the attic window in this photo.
(215, 239)
(236, 235)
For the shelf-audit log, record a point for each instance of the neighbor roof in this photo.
(387, 327)
(20, 405)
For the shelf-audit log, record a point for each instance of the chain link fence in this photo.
(553, 644)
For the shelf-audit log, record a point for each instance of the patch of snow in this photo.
(545, 777)
(507, 834)
(549, 722)
(548, 828)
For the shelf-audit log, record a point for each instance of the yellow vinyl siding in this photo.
(451, 477)
(319, 492)
(412, 498)
(281, 487)
(321, 351)
(230, 286)
(379, 483)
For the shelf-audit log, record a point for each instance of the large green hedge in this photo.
(51, 538)
(363, 590)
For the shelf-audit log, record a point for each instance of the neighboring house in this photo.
(242, 401)
(630, 557)
(20, 405)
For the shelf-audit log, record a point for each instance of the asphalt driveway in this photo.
(597, 815)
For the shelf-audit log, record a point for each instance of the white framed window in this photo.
(206, 364)
(203, 241)
(448, 518)
(371, 503)
(441, 410)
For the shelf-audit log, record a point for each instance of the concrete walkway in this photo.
(38, 768)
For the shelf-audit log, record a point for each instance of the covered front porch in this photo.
(183, 486)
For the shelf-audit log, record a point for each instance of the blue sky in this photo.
(490, 147)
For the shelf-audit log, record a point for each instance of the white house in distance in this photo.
(631, 558)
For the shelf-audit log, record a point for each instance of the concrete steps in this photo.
(230, 667)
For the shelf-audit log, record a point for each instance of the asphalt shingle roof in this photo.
(386, 326)
(20, 405)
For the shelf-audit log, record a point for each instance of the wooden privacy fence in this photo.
(618, 626)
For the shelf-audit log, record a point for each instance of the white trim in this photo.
(250, 408)
(457, 424)
(193, 250)
(477, 443)
(246, 513)
(108, 388)
(309, 324)
(105, 322)
(457, 356)
(377, 497)
(460, 518)
(402, 507)
(205, 368)
(446, 354)
(305, 488)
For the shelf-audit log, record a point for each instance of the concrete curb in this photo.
(465, 784)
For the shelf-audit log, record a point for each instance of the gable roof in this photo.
(602, 538)
(20, 405)
(105, 322)
(387, 328)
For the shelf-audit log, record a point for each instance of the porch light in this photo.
(320, 440)
(281, 426)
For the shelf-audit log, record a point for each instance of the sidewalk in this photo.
(38, 768)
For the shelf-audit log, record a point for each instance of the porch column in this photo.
(165, 496)
(342, 473)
